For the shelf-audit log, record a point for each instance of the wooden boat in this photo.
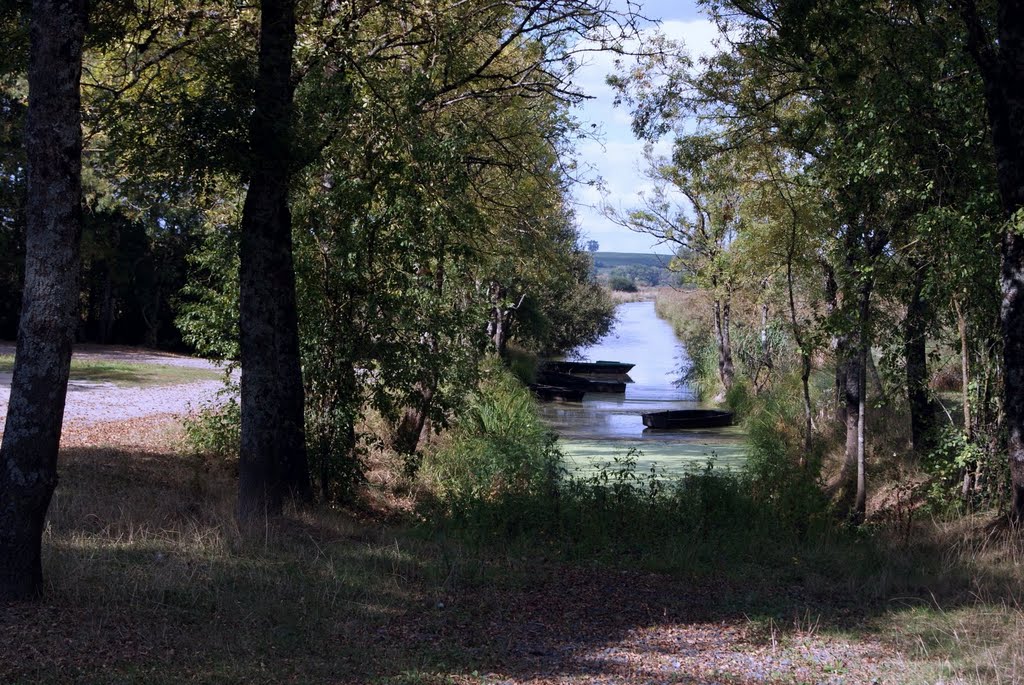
(564, 380)
(550, 393)
(688, 419)
(593, 368)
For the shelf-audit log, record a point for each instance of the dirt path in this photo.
(91, 402)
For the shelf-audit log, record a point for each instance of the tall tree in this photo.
(53, 142)
(1001, 61)
(273, 450)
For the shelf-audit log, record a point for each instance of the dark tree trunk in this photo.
(914, 339)
(721, 309)
(273, 452)
(860, 501)
(852, 373)
(405, 438)
(1001, 61)
(53, 142)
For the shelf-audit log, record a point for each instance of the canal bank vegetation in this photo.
(845, 254)
(466, 565)
(841, 197)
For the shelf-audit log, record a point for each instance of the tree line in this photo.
(355, 201)
(851, 173)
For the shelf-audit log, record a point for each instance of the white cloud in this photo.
(618, 159)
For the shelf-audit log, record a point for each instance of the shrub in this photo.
(522, 363)
(619, 280)
(216, 430)
(952, 456)
(497, 448)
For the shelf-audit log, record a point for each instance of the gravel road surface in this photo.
(92, 402)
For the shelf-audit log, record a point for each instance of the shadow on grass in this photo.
(150, 581)
(125, 374)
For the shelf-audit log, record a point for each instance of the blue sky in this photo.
(617, 158)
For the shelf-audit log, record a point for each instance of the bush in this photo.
(216, 431)
(498, 448)
(619, 280)
(522, 363)
(952, 456)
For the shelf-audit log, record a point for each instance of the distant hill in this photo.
(610, 260)
(638, 268)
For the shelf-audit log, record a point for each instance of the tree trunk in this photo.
(725, 366)
(860, 501)
(273, 462)
(916, 355)
(406, 435)
(805, 364)
(852, 373)
(965, 369)
(53, 142)
(728, 371)
(965, 389)
(839, 343)
(499, 329)
(766, 352)
(1000, 63)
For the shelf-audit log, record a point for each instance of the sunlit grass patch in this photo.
(127, 374)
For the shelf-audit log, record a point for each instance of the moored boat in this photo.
(593, 368)
(688, 419)
(550, 393)
(565, 380)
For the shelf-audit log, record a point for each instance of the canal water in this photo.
(606, 426)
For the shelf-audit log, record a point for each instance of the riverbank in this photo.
(610, 578)
(151, 582)
(608, 427)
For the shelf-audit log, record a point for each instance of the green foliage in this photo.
(501, 483)
(498, 448)
(621, 281)
(216, 431)
(952, 456)
(208, 304)
(782, 475)
(522, 364)
(740, 398)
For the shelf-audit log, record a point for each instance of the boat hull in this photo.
(552, 393)
(564, 380)
(600, 368)
(688, 419)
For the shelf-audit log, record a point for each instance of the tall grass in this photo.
(686, 311)
(497, 447)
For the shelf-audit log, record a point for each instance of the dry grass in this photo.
(642, 294)
(151, 581)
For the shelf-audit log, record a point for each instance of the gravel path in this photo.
(91, 402)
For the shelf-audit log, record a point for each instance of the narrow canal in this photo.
(605, 426)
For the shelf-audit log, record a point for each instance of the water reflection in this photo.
(608, 425)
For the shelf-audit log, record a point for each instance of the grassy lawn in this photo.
(127, 374)
(150, 581)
